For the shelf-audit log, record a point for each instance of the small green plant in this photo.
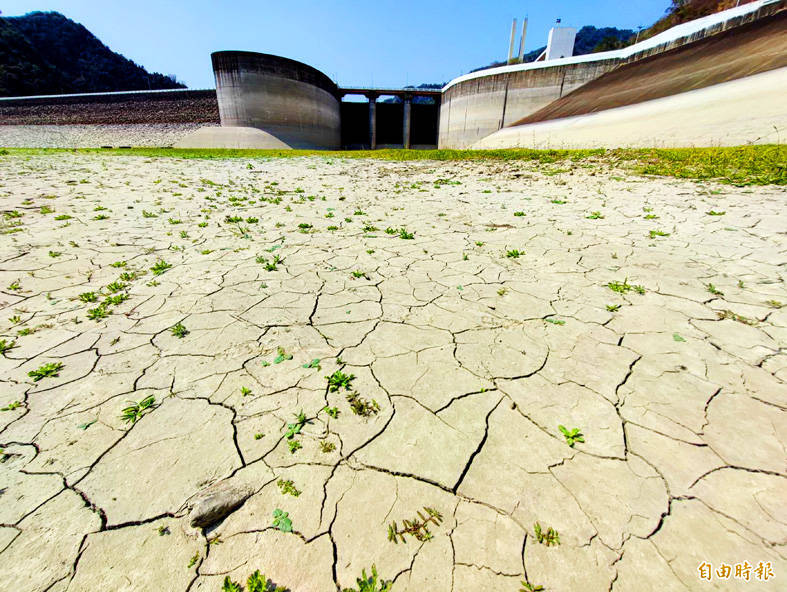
(146, 214)
(135, 411)
(294, 446)
(11, 406)
(713, 290)
(650, 216)
(715, 213)
(179, 330)
(174, 221)
(417, 527)
(514, 253)
(326, 446)
(271, 266)
(338, 380)
(559, 202)
(98, 313)
(245, 391)
(6, 346)
(370, 228)
(288, 487)
(315, 363)
(479, 243)
(259, 436)
(15, 320)
(390, 230)
(332, 411)
(230, 586)
(118, 264)
(361, 406)
(555, 321)
(360, 274)
(622, 288)
(160, 267)
(774, 303)
(46, 210)
(281, 356)
(193, 560)
(728, 314)
(594, 216)
(116, 299)
(15, 286)
(49, 370)
(501, 292)
(370, 583)
(184, 234)
(101, 217)
(293, 429)
(572, 436)
(613, 307)
(61, 217)
(55, 254)
(403, 234)
(550, 537)
(252, 220)
(655, 233)
(281, 520)
(519, 214)
(678, 338)
(116, 287)
(528, 587)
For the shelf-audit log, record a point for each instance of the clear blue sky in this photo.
(373, 42)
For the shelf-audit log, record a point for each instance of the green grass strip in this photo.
(740, 165)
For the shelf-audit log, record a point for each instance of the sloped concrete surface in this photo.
(749, 110)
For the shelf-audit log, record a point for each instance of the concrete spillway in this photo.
(481, 103)
(293, 102)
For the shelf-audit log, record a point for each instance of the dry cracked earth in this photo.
(169, 326)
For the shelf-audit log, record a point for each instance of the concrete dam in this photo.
(268, 101)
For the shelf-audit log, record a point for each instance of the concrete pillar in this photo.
(408, 104)
(522, 42)
(372, 120)
(511, 45)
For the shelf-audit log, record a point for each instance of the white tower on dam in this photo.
(560, 43)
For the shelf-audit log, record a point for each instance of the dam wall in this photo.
(291, 101)
(479, 104)
(115, 108)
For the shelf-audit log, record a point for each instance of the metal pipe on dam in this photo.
(291, 101)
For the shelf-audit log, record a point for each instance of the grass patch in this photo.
(739, 165)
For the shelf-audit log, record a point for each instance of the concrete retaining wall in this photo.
(479, 104)
(289, 100)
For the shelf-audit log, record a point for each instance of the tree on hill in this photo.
(47, 53)
(682, 11)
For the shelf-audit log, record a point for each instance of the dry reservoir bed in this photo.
(574, 374)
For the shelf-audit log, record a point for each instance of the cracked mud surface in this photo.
(465, 362)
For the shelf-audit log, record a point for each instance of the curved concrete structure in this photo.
(293, 102)
(478, 104)
(749, 110)
(231, 137)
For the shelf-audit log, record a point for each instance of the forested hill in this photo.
(45, 53)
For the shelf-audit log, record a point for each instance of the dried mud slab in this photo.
(573, 375)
